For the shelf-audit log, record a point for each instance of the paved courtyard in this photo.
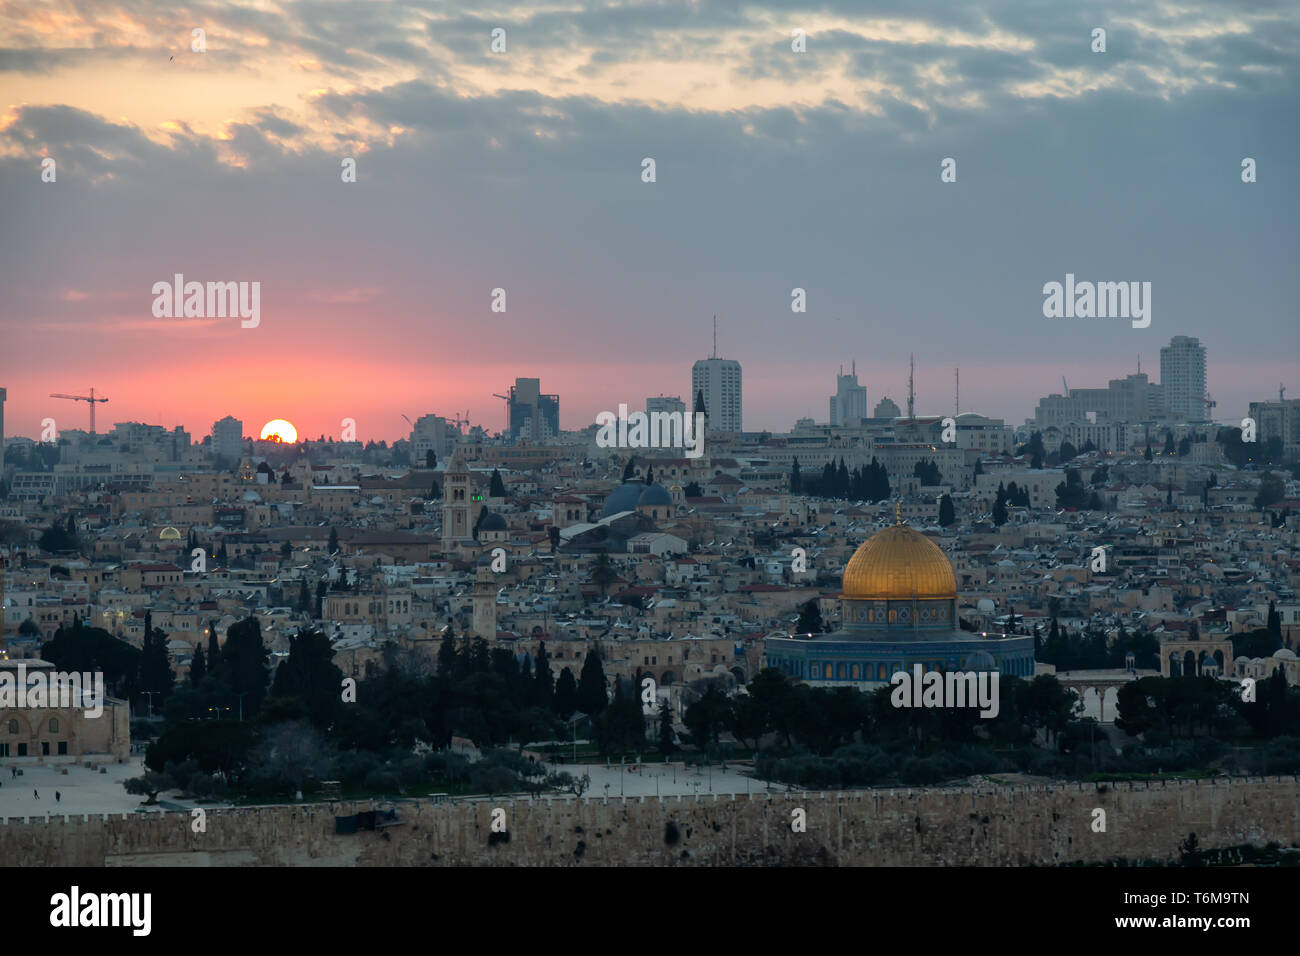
(81, 790)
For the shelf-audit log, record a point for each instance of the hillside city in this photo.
(1128, 516)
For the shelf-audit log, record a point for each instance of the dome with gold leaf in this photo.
(898, 580)
(899, 564)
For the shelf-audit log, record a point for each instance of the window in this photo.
(63, 748)
(54, 725)
(13, 726)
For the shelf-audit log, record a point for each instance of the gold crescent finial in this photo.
(898, 511)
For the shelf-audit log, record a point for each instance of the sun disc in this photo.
(279, 430)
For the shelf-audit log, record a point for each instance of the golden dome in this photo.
(899, 564)
(169, 534)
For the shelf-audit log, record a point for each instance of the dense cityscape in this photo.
(516, 610)
(658, 435)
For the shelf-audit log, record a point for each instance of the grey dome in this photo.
(979, 661)
(623, 498)
(492, 522)
(655, 495)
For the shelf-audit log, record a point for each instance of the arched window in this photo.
(54, 725)
(13, 726)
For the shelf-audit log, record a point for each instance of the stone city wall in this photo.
(984, 826)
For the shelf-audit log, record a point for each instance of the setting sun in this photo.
(280, 430)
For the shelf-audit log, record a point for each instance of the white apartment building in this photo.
(719, 380)
(228, 437)
(1182, 375)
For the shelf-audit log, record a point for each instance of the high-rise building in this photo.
(432, 433)
(719, 380)
(1279, 419)
(3, 393)
(1182, 375)
(1131, 399)
(849, 403)
(228, 437)
(669, 404)
(529, 413)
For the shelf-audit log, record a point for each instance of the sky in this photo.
(522, 170)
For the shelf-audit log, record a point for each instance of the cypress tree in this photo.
(543, 680)
(593, 691)
(947, 515)
(666, 745)
(1000, 507)
(198, 666)
(566, 694)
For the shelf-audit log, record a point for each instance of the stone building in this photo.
(59, 734)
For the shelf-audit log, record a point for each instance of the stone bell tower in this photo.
(457, 509)
(485, 603)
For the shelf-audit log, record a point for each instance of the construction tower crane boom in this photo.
(91, 399)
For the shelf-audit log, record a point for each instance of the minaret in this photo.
(457, 517)
(485, 604)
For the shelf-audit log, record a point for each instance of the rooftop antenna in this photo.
(956, 391)
(1281, 392)
(911, 392)
(715, 335)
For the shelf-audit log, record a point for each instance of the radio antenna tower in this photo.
(911, 391)
(715, 336)
(956, 391)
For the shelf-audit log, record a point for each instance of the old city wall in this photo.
(959, 826)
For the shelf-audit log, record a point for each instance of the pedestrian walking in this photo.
(37, 793)
(57, 796)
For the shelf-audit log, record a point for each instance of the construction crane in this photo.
(1066, 385)
(506, 398)
(91, 399)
